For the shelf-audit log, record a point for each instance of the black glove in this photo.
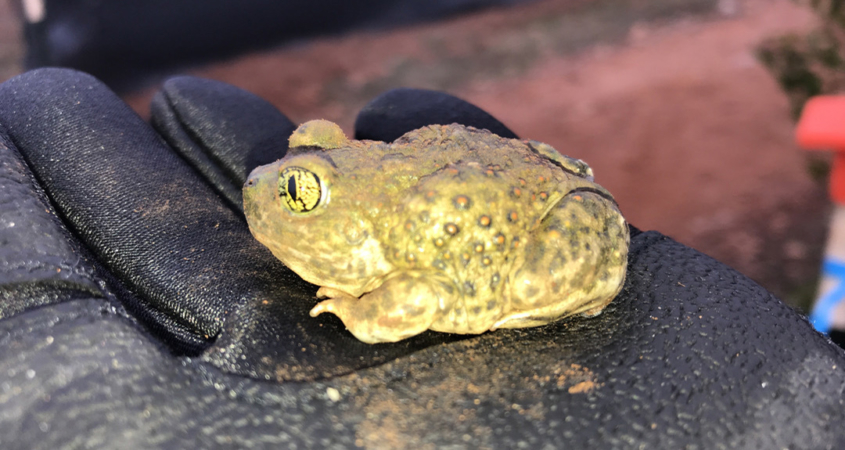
(139, 312)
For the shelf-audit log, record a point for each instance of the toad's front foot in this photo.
(403, 306)
(335, 301)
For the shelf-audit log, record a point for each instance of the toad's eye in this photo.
(300, 189)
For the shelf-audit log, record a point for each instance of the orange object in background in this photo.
(822, 127)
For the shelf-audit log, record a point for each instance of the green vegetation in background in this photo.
(804, 66)
(811, 64)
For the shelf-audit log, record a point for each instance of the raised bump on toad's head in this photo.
(318, 133)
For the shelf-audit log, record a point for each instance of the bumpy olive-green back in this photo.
(453, 199)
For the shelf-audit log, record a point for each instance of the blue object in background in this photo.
(822, 314)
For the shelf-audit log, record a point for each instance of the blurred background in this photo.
(667, 100)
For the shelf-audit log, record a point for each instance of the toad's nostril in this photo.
(249, 183)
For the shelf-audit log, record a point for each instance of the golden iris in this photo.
(300, 189)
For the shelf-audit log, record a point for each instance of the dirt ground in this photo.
(664, 98)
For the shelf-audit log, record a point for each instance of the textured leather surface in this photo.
(690, 355)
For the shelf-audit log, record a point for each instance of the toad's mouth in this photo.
(353, 269)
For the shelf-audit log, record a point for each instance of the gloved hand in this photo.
(139, 312)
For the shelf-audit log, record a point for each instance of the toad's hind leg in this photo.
(403, 306)
(574, 263)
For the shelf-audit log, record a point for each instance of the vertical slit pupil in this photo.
(292, 188)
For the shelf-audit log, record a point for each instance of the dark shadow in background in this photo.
(127, 43)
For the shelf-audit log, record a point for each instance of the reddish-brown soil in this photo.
(665, 99)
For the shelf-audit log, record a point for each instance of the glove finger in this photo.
(399, 111)
(38, 265)
(222, 131)
(127, 198)
(181, 258)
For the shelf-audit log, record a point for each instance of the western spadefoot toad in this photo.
(449, 228)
